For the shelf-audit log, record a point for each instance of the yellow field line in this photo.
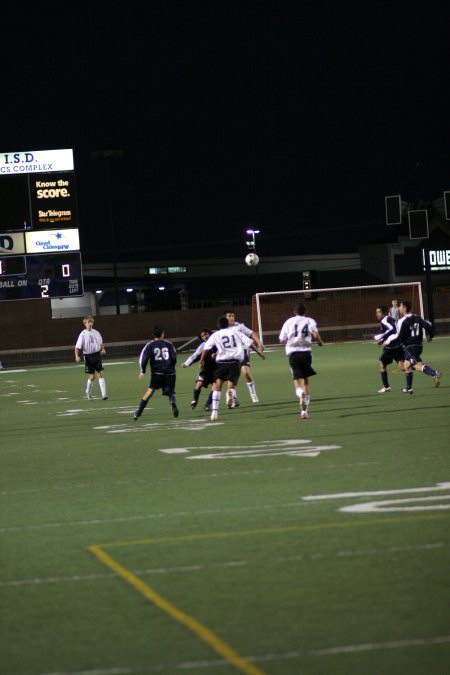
(272, 530)
(211, 639)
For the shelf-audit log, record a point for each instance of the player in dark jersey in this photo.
(162, 357)
(409, 335)
(206, 374)
(387, 328)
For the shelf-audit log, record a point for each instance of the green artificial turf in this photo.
(241, 529)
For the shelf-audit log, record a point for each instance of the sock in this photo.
(428, 370)
(215, 400)
(251, 388)
(89, 386)
(141, 407)
(196, 394)
(209, 399)
(384, 379)
(307, 400)
(232, 393)
(409, 380)
(299, 391)
(102, 383)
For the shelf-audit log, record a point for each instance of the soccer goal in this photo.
(342, 314)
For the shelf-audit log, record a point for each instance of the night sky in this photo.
(292, 118)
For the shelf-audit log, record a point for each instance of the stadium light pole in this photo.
(252, 243)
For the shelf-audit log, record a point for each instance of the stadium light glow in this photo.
(252, 243)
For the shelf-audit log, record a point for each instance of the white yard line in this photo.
(202, 567)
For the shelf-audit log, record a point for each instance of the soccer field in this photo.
(260, 543)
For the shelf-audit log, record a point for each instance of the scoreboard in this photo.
(39, 190)
(51, 275)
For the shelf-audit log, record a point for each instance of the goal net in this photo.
(342, 314)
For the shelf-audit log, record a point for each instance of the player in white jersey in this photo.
(249, 338)
(229, 357)
(90, 343)
(298, 333)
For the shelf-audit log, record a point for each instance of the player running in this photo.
(249, 338)
(409, 335)
(206, 375)
(230, 354)
(298, 333)
(388, 327)
(162, 356)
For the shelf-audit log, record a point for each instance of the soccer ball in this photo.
(251, 259)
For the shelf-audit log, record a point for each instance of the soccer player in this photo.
(205, 376)
(90, 342)
(230, 354)
(387, 328)
(248, 337)
(298, 333)
(162, 356)
(409, 335)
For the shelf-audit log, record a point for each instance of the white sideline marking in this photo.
(197, 424)
(148, 516)
(201, 567)
(376, 493)
(260, 658)
(50, 367)
(419, 503)
(390, 505)
(264, 449)
(371, 646)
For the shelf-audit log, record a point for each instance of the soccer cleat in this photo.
(105, 398)
(193, 405)
(236, 403)
(89, 397)
(207, 407)
(255, 398)
(407, 391)
(136, 415)
(304, 415)
(214, 416)
(384, 390)
(437, 378)
(175, 410)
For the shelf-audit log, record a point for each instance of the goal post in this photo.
(342, 314)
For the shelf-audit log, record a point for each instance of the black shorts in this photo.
(206, 377)
(93, 363)
(164, 381)
(228, 371)
(388, 356)
(413, 354)
(301, 365)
